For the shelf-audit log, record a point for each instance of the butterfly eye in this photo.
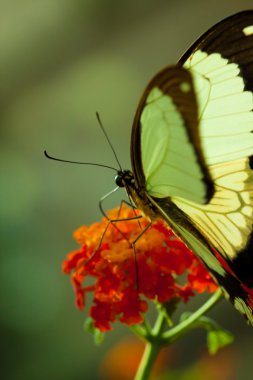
(119, 180)
(124, 178)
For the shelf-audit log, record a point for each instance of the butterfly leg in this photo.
(112, 221)
(123, 201)
(118, 219)
(135, 255)
(133, 207)
(132, 244)
(102, 200)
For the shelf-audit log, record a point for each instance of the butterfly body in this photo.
(191, 151)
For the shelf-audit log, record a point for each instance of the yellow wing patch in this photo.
(225, 127)
(225, 108)
(227, 220)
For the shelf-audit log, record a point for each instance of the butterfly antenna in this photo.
(107, 138)
(77, 162)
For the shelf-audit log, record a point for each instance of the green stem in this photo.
(147, 362)
(156, 339)
(151, 351)
(173, 334)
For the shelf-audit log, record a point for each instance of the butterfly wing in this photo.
(217, 224)
(170, 153)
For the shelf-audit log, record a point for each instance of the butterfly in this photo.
(192, 154)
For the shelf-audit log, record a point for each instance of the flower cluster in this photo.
(122, 281)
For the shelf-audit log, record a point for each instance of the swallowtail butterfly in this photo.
(192, 154)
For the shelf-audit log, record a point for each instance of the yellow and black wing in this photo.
(192, 147)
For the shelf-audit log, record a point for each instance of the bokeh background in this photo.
(60, 61)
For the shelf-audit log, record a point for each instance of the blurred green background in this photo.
(60, 61)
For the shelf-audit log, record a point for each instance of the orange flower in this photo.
(107, 256)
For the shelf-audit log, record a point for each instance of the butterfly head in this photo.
(124, 178)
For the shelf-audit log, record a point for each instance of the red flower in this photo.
(108, 258)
